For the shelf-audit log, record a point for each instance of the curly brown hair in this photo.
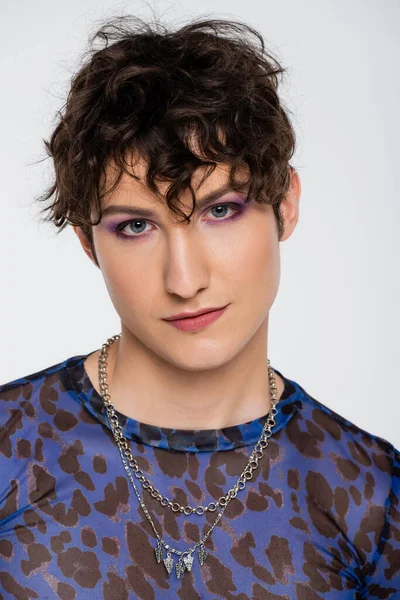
(150, 89)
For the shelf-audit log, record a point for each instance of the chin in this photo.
(205, 358)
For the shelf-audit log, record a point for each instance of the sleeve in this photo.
(383, 580)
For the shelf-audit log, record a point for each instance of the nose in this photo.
(187, 269)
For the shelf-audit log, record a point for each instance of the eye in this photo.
(125, 224)
(228, 205)
(132, 224)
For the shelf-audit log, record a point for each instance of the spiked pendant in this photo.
(188, 560)
(169, 562)
(159, 552)
(202, 554)
(180, 568)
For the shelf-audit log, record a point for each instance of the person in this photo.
(175, 461)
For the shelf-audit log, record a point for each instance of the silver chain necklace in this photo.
(185, 560)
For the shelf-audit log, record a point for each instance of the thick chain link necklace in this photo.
(185, 560)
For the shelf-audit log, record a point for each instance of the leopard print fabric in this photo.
(320, 518)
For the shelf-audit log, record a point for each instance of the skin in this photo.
(215, 377)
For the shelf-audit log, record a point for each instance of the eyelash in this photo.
(237, 207)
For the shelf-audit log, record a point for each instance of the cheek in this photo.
(130, 286)
(261, 272)
(260, 283)
(253, 257)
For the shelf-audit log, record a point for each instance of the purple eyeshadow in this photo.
(112, 224)
(237, 204)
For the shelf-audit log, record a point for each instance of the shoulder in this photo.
(28, 404)
(332, 453)
(36, 377)
(323, 430)
(41, 425)
(27, 386)
(345, 436)
(343, 459)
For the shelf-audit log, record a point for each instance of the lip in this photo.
(189, 315)
(196, 323)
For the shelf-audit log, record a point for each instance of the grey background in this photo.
(334, 327)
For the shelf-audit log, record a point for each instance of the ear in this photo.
(289, 206)
(85, 244)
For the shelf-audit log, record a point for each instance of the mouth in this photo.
(193, 314)
(198, 322)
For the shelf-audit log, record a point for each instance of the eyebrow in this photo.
(145, 212)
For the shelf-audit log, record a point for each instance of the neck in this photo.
(151, 390)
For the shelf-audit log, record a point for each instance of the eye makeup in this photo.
(115, 225)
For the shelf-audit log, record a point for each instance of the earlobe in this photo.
(289, 207)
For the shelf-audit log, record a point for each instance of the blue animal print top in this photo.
(319, 519)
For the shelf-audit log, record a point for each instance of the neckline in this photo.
(77, 379)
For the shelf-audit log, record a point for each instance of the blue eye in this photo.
(126, 223)
(237, 208)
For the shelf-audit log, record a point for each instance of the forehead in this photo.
(133, 189)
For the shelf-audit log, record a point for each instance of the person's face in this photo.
(159, 266)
